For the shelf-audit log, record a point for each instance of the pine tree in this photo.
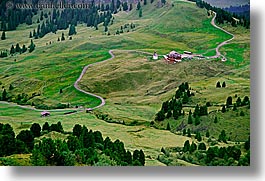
(207, 134)
(18, 49)
(3, 37)
(30, 35)
(72, 30)
(188, 132)
(168, 127)
(218, 84)
(12, 50)
(197, 120)
(223, 109)
(138, 7)
(145, 2)
(190, 119)
(186, 146)
(140, 13)
(31, 47)
(224, 84)
(62, 38)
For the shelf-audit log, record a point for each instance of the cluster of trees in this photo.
(22, 143)
(214, 156)
(85, 147)
(222, 156)
(96, 14)
(22, 99)
(11, 18)
(224, 16)
(193, 147)
(46, 128)
(218, 84)
(23, 49)
(238, 103)
(82, 147)
(18, 49)
(173, 107)
(3, 54)
(124, 28)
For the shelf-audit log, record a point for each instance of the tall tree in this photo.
(35, 129)
(3, 37)
(27, 137)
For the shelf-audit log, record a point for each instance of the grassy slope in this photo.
(134, 87)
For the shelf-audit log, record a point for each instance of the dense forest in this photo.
(82, 147)
(225, 16)
(59, 19)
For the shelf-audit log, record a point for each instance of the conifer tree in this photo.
(3, 37)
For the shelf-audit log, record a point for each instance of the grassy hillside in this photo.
(133, 85)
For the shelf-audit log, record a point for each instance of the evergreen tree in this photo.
(229, 101)
(218, 84)
(24, 48)
(196, 111)
(77, 130)
(222, 136)
(145, 2)
(168, 127)
(31, 47)
(238, 101)
(4, 95)
(224, 84)
(125, 6)
(27, 137)
(193, 147)
(62, 38)
(197, 120)
(186, 146)
(138, 7)
(72, 30)
(140, 13)
(198, 136)
(188, 132)
(190, 119)
(46, 127)
(12, 50)
(131, 7)
(184, 132)
(35, 129)
(3, 37)
(202, 146)
(18, 49)
(207, 134)
(223, 109)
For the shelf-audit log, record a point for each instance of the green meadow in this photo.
(133, 86)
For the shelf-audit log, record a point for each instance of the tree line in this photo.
(223, 16)
(82, 147)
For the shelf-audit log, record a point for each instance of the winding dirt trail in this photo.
(81, 76)
(103, 102)
(218, 54)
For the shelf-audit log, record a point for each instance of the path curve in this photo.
(81, 76)
(218, 54)
(103, 102)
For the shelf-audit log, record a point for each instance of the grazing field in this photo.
(133, 85)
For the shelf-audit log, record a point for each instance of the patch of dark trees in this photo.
(213, 156)
(173, 107)
(224, 16)
(82, 147)
(17, 49)
(243, 10)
